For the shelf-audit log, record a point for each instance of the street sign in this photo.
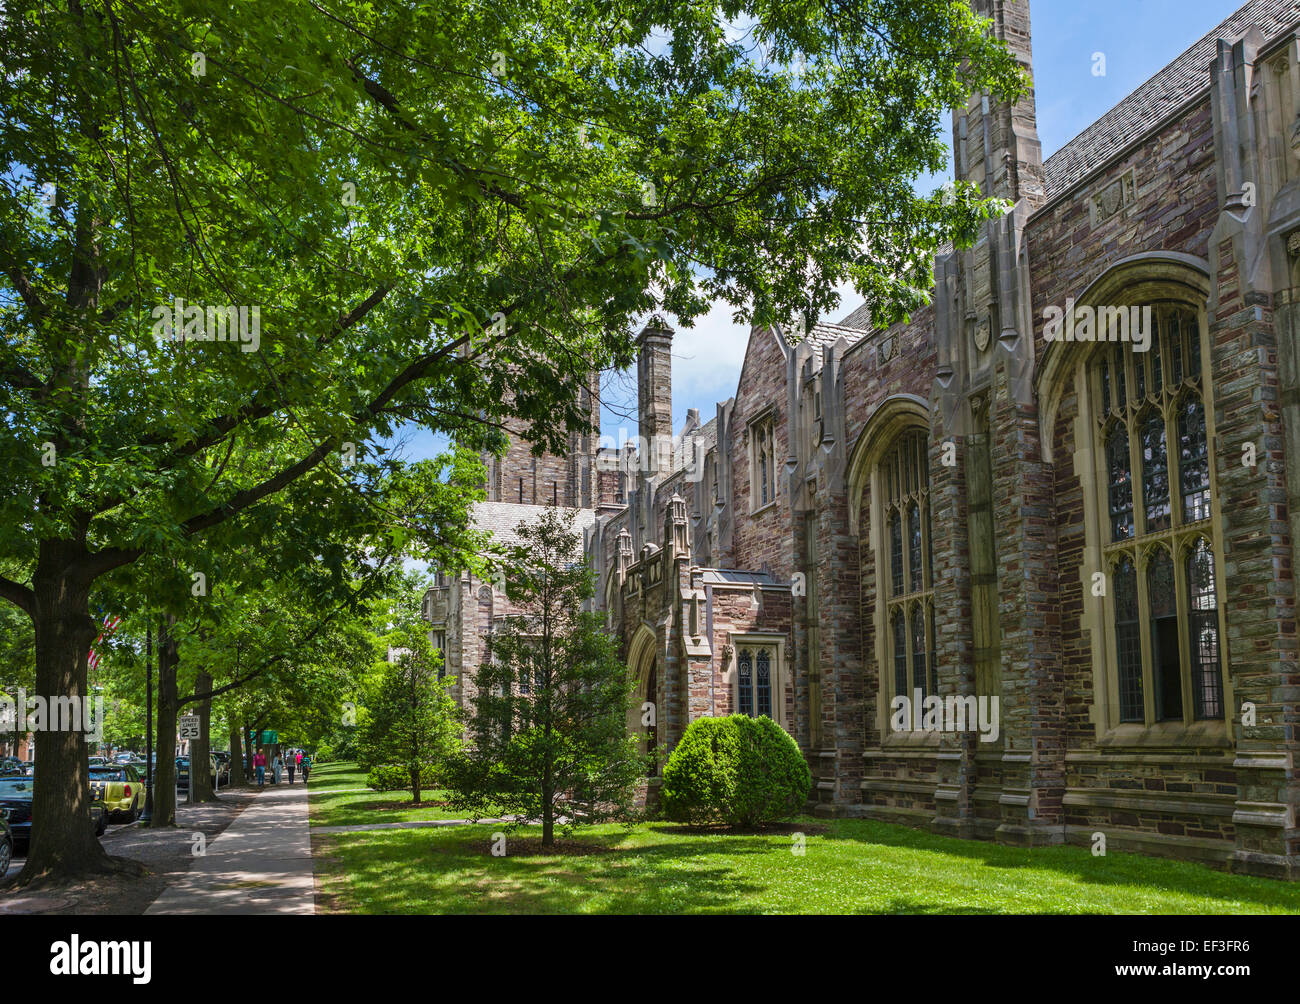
(190, 727)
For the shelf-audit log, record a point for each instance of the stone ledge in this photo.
(1215, 852)
(1170, 802)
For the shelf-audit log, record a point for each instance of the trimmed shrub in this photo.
(738, 770)
(388, 777)
(392, 777)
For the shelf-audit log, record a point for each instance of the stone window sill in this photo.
(927, 739)
(1165, 734)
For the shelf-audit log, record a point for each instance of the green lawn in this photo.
(332, 803)
(849, 866)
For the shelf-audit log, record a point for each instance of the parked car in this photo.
(123, 791)
(16, 807)
(97, 761)
(222, 759)
(6, 846)
(183, 771)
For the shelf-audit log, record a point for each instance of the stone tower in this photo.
(984, 404)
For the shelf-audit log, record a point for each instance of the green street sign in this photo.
(269, 737)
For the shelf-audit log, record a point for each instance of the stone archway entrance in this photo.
(643, 715)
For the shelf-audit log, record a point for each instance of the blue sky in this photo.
(1138, 37)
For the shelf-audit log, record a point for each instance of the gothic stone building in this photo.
(461, 607)
(981, 503)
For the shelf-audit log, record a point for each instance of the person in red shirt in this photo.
(259, 765)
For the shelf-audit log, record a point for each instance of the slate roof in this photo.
(1175, 85)
(682, 448)
(730, 576)
(860, 319)
(502, 520)
(825, 333)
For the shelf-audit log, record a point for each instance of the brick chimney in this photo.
(654, 394)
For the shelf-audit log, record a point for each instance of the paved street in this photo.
(260, 864)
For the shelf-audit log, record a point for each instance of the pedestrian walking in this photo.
(278, 768)
(306, 767)
(259, 765)
(291, 766)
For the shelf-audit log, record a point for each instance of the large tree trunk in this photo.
(63, 842)
(548, 814)
(249, 750)
(200, 766)
(237, 779)
(164, 785)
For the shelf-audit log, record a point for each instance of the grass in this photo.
(333, 803)
(848, 866)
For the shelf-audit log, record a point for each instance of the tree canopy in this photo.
(240, 244)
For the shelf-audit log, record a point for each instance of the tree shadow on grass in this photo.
(451, 875)
(1116, 868)
(770, 829)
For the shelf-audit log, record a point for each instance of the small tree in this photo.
(413, 723)
(549, 718)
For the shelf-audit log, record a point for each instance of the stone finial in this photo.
(678, 529)
(622, 554)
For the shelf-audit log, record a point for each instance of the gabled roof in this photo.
(502, 520)
(825, 333)
(1175, 85)
(683, 455)
(859, 320)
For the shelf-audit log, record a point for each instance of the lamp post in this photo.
(147, 815)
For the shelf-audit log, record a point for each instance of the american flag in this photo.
(106, 628)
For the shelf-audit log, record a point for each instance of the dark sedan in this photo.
(16, 806)
(6, 846)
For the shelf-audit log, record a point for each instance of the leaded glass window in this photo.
(1194, 462)
(1165, 658)
(1207, 680)
(1150, 412)
(762, 445)
(896, 553)
(1121, 483)
(756, 681)
(1128, 642)
(920, 651)
(746, 682)
(903, 477)
(900, 654)
(763, 684)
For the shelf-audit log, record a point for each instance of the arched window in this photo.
(1150, 420)
(758, 685)
(762, 446)
(746, 681)
(906, 580)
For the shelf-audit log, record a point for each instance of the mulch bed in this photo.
(399, 806)
(751, 831)
(531, 847)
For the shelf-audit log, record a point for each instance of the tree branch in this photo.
(18, 594)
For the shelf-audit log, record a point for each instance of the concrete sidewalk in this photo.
(260, 864)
